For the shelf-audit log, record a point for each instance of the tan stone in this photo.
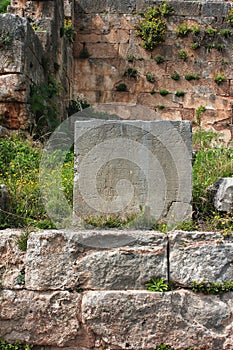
(14, 114)
(13, 88)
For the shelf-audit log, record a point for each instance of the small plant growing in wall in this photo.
(180, 93)
(195, 46)
(183, 29)
(225, 32)
(210, 31)
(195, 30)
(192, 77)
(160, 107)
(157, 285)
(183, 55)
(150, 78)
(199, 111)
(220, 78)
(68, 30)
(230, 17)
(130, 58)
(163, 92)
(131, 73)
(159, 59)
(122, 87)
(175, 76)
(152, 28)
(6, 40)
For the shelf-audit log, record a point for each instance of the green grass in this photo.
(3, 5)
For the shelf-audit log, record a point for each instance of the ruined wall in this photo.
(106, 39)
(86, 290)
(37, 52)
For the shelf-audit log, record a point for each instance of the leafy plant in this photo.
(22, 240)
(3, 5)
(150, 78)
(212, 287)
(152, 92)
(220, 78)
(131, 73)
(183, 54)
(160, 107)
(163, 346)
(122, 87)
(230, 17)
(159, 59)
(211, 31)
(192, 77)
(157, 285)
(183, 29)
(195, 30)
(175, 76)
(21, 278)
(77, 105)
(130, 58)
(108, 221)
(68, 30)
(180, 93)
(163, 92)
(219, 47)
(199, 111)
(152, 28)
(225, 32)
(4, 345)
(204, 139)
(195, 46)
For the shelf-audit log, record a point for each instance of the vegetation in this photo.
(4, 345)
(163, 92)
(122, 87)
(150, 78)
(225, 32)
(131, 73)
(152, 28)
(131, 58)
(159, 59)
(157, 285)
(195, 46)
(192, 77)
(230, 17)
(212, 287)
(220, 78)
(77, 105)
(183, 54)
(183, 29)
(3, 5)
(68, 30)
(180, 93)
(6, 40)
(108, 221)
(175, 76)
(211, 31)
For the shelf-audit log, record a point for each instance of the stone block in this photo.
(13, 87)
(215, 9)
(39, 318)
(11, 259)
(139, 320)
(222, 194)
(94, 259)
(111, 6)
(196, 256)
(132, 168)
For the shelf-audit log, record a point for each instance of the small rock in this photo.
(3, 132)
(222, 194)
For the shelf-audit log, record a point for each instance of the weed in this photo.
(22, 240)
(163, 92)
(195, 46)
(204, 139)
(211, 31)
(68, 30)
(160, 107)
(21, 278)
(157, 285)
(192, 77)
(195, 30)
(152, 28)
(150, 78)
(109, 221)
(122, 87)
(3, 5)
(131, 73)
(219, 47)
(180, 93)
(152, 92)
(159, 59)
(77, 105)
(183, 54)
(212, 287)
(4, 345)
(130, 58)
(220, 78)
(230, 17)
(183, 29)
(175, 76)
(226, 33)
(199, 111)
(163, 346)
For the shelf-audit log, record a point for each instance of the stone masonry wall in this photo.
(86, 290)
(107, 38)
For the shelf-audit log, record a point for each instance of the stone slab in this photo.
(142, 320)
(222, 194)
(133, 168)
(39, 318)
(197, 256)
(94, 260)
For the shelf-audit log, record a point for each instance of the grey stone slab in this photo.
(139, 320)
(221, 194)
(111, 6)
(131, 169)
(215, 9)
(197, 256)
(94, 259)
(39, 318)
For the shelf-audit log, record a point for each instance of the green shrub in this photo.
(152, 92)
(159, 59)
(183, 54)
(220, 78)
(150, 78)
(152, 28)
(226, 33)
(175, 76)
(122, 87)
(3, 5)
(199, 111)
(192, 77)
(77, 105)
(195, 30)
(183, 29)
(212, 287)
(230, 17)
(211, 31)
(195, 46)
(4, 345)
(131, 73)
(130, 58)
(160, 107)
(163, 92)
(180, 93)
(68, 30)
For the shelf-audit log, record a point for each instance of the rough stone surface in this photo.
(197, 256)
(4, 197)
(134, 167)
(40, 318)
(141, 320)
(94, 259)
(222, 194)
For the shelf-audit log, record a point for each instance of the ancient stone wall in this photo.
(106, 47)
(86, 290)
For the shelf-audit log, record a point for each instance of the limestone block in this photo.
(39, 318)
(14, 114)
(132, 167)
(11, 259)
(13, 88)
(102, 50)
(196, 256)
(94, 259)
(139, 320)
(119, 6)
(186, 8)
(215, 9)
(222, 194)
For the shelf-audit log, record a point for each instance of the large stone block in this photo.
(132, 169)
(222, 194)
(141, 320)
(39, 318)
(94, 259)
(196, 256)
